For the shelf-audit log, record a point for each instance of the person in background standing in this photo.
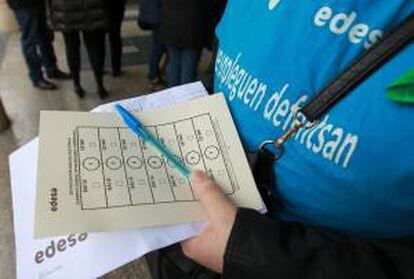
(36, 42)
(116, 11)
(89, 17)
(186, 31)
(218, 7)
(149, 19)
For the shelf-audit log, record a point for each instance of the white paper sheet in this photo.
(165, 98)
(99, 253)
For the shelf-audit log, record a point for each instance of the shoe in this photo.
(58, 74)
(79, 91)
(4, 124)
(44, 85)
(116, 73)
(155, 82)
(102, 93)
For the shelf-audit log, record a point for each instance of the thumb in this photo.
(214, 202)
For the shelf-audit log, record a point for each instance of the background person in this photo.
(116, 11)
(149, 19)
(186, 30)
(218, 7)
(36, 41)
(89, 18)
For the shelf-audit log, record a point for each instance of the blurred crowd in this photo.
(180, 31)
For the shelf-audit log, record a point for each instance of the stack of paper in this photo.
(85, 255)
(96, 175)
(88, 176)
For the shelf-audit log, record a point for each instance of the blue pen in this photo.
(133, 123)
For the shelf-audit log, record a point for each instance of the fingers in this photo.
(189, 247)
(214, 202)
(208, 248)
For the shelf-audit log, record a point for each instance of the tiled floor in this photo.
(23, 104)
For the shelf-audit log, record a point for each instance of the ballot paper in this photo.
(96, 175)
(84, 255)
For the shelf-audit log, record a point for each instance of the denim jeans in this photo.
(182, 66)
(157, 49)
(36, 40)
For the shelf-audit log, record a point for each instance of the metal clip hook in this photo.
(280, 141)
(280, 150)
(278, 144)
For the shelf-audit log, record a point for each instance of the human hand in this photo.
(209, 246)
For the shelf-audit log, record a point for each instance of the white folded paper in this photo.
(86, 255)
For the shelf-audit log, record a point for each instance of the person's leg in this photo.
(72, 45)
(174, 66)
(115, 40)
(189, 65)
(44, 40)
(156, 51)
(27, 23)
(45, 45)
(171, 263)
(95, 45)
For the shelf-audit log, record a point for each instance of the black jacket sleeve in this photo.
(259, 247)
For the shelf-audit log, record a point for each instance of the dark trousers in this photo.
(36, 41)
(116, 16)
(157, 49)
(95, 45)
(182, 66)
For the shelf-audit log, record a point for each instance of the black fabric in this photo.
(366, 65)
(74, 15)
(149, 13)
(95, 45)
(15, 4)
(187, 23)
(145, 26)
(170, 263)
(261, 164)
(219, 6)
(263, 248)
(116, 10)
